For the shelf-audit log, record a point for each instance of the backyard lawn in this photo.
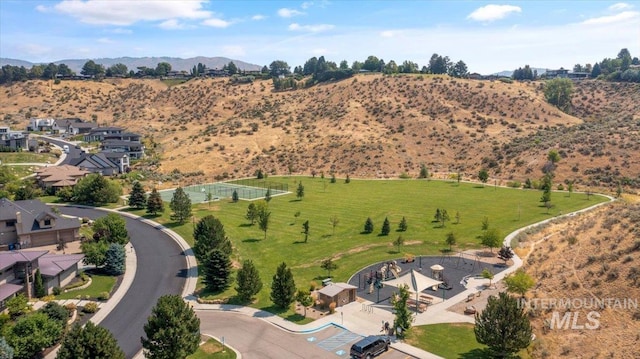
(417, 200)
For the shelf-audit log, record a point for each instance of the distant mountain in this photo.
(509, 73)
(132, 63)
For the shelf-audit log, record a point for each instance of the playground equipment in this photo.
(389, 268)
(462, 260)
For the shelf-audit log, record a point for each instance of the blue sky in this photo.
(488, 36)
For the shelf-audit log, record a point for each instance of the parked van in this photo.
(369, 347)
(65, 148)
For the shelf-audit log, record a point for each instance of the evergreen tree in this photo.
(368, 225)
(333, 178)
(154, 203)
(505, 253)
(348, 179)
(398, 242)
(305, 230)
(209, 235)
(90, 341)
(483, 176)
(38, 285)
(172, 330)
(114, 259)
(217, 271)
(180, 205)
(6, 351)
(234, 196)
(403, 314)
(252, 213)
(56, 312)
(283, 288)
(503, 326)
(300, 191)
(248, 280)
(450, 240)
(402, 227)
(386, 227)
(424, 172)
(267, 195)
(137, 197)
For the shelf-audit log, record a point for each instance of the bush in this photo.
(48, 298)
(103, 296)
(90, 307)
(71, 307)
(332, 307)
(514, 184)
(312, 286)
(57, 290)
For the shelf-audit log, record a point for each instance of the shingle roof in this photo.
(8, 259)
(8, 289)
(334, 289)
(29, 211)
(53, 264)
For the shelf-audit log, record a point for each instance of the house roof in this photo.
(30, 210)
(335, 289)
(94, 160)
(84, 125)
(8, 259)
(106, 129)
(53, 264)
(8, 289)
(64, 171)
(121, 143)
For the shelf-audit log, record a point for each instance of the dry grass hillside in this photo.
(593, 255)
(366, 126)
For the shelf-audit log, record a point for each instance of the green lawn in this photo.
(417, 200)
(21, 171)
(212, 349)
(26, 157)
(99, 283)
(446, 340)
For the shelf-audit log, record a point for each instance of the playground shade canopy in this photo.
(416, 281)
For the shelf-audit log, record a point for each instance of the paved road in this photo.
(161, 270)
(73, 151)
(256, 339)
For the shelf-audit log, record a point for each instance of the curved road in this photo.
(162, 269)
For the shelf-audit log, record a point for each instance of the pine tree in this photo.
(114, 259)
(154, 203)
(38, 285)
(180, 205)
(6, 351)
(267, 195)
(137, 197)
(424, 172)
(300, 191)
(386, 227)
(234, 196)
(368, 225)
(172, 330)
(283, 288)
(305, 230)
(248, 280)
(90, 341)
(217, 271)
(503, 326)
(403, 314)
(402, 227)
(252, 213)
(209, 235)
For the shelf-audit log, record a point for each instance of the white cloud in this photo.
(258, 17)
(219, 23)
(127, 12)
(171, 24)
(233, 51)
(105, 40)
(319, 51)
(492, 12)
(121, 31)
(287, 13)
(35, 49)
(620, 6)
(310, 28)
(611, 19)
(42, 8)
(306, 4)
(390, 33)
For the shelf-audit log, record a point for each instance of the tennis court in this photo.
(247, 189)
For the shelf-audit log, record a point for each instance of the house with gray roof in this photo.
(104, 163)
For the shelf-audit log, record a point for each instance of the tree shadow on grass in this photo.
(483, 353)
(251, 240)
(244, 225)
(299, 242)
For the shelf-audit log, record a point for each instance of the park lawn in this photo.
(99, 283)
(212, 349)
(507, 209)
(27, 157)
(446, 340)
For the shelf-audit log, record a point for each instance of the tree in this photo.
(95, 190)
(333, 178)
(519, 282)
(38, 286)
(209, 235)
(459, 70)
(328, 265)
(487, 274)
(154, 203)
(483, 176)
(570, 187)
(279, 67)
(114, 259)
(25, 192)
(217, 270)
(90, 68)
(398, 242)
(503, 326)
(232, 68)
(267, 195)
(439, 64)
(137, 197)
(6, 351)
(91, 341)
(305, 299)
(31, 333)
(368, 225)
(305, 230)
(248, 281)
(596, 71)
(444, 217)
(283, 288)
(263, 220)
(111, 228)
(334, 223)
(372, 64)
(491, 238)
(300, 191)
(234, 196)
(451, 240)
(485, 223)
(402, 227)
(505, 253)
(180, 205)
(172, 330)
(56, 312)
(386, 227)
(403, 317)
(162, 69)
(558, 93)
(18, 306)
(252, 213)
(118, 69)
(94, 252)
(424, 172)
(347, 179)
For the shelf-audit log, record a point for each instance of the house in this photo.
(40, 124)
(14, 140)
(135, 150)
(339, 293)
(105, 163)
(17, 270)
(216, 73)
(97, 134)
(579, 75)
(72, 126)
(474, 76)
(80, 128)
(31, 223)
(51, 179)
(561, 73)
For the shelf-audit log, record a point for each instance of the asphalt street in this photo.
(73, 151)
(162, 269)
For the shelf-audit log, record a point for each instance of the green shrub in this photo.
(405, 175)
(90, 307)
(57, 290)
(514, 184)
(103, 296)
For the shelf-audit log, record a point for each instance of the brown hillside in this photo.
(593, 255)
(367, 126)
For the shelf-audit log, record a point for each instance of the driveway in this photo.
(257, 339)
(162, 269)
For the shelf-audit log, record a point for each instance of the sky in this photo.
(488, 36)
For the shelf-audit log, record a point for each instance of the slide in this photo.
(395, 270)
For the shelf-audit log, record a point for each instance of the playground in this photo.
(448, 272)
(247, 189)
